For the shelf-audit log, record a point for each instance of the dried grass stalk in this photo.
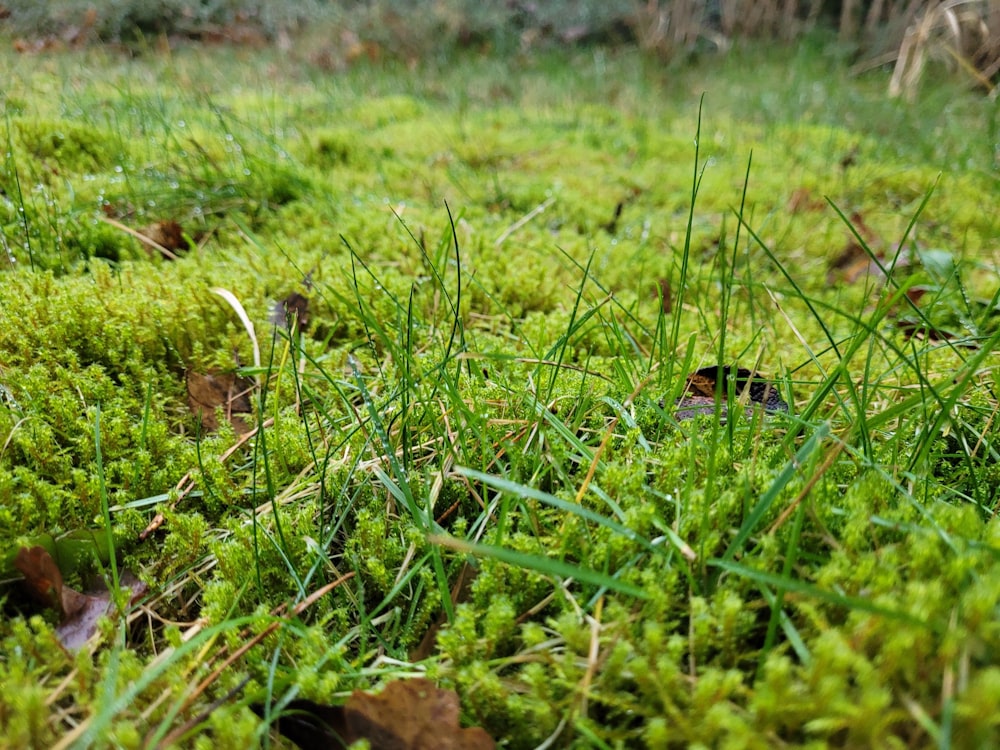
(965, 34)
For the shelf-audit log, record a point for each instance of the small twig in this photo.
(593, 655)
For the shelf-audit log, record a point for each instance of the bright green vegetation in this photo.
(478, 381)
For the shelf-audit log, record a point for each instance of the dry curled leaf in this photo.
(210, 391)
(43, 579)
(166, 234)
(406, 715)
(803, 200)
(851, 157)
(294, 307)
(662, 293)
(855, 262)
(701, 385)
(79, 613)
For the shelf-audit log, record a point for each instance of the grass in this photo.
(476, 397)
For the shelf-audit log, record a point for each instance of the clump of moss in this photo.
(65, 147)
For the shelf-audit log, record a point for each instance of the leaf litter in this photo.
(79, 612)
(700, 390)
(409, 714)
(210, 391)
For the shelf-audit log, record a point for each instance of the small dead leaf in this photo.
(48, 43)
(662, 293)
(804, 200)
(854, 263)
(293, 307)
(700, 390)
(406, 715)
(79, 613)
(79, 35)
(612, 225)
(42, 576)
(412, 715)
(869, 235)
(207, 392)
(850, 158)
(166, 234)
(76, 630)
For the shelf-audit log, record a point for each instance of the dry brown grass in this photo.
(667, 27)
(962, 34)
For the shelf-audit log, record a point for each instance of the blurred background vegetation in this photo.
(963, 35)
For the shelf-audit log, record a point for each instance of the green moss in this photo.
(510, 361)
(65, 146)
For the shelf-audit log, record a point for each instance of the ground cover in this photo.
(461, 459)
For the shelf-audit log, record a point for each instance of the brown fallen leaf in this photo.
(209, 391)
(700, 390)
(44, 580)
(662, 293)
(79, 613)
(78, 35)
(851, 157)
(406, 715)
(167, 234)
(854, 262)
(412, 715)
(804, 200)
(293, 307)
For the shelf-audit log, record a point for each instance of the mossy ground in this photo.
(481, 366)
